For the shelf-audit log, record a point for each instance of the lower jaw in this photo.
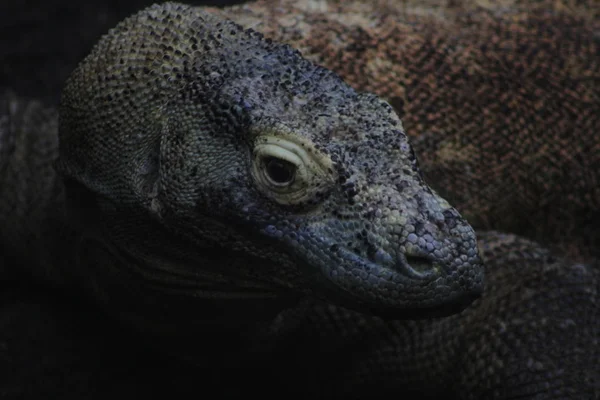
(450, 306)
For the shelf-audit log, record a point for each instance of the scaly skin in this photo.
(172, 125)
(175, 127)
(500, 98)
(534, 333)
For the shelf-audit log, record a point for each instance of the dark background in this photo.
(41, 41)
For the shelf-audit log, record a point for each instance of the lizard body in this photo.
(399, 356)
(547, 349)
(219, 144)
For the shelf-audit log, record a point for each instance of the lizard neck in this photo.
(204, 330)
(193, 325)
(172, 292)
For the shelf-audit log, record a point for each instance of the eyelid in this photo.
(301, 147)
(279, 151)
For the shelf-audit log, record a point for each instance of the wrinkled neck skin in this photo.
(170, 294)
(58, 244)
(202, 330)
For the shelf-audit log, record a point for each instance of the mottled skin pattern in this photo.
(501, 99)
(533, 334)
(188, 126)
(545, 347)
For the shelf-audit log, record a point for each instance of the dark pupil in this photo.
(280, 171)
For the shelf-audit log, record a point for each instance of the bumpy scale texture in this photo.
(501, 99)
(533, 334)
(545, 347)
(174, 119)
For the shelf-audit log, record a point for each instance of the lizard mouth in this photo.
(412, 286)
(409, 285)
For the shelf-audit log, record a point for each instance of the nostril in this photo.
(419, 263)
(415, 266)
(421, 267)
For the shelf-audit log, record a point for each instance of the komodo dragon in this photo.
(151, 98)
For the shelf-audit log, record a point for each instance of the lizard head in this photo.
(237, 147)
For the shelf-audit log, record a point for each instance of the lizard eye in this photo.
(289, 171)
(279, 172)
(280, 169)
